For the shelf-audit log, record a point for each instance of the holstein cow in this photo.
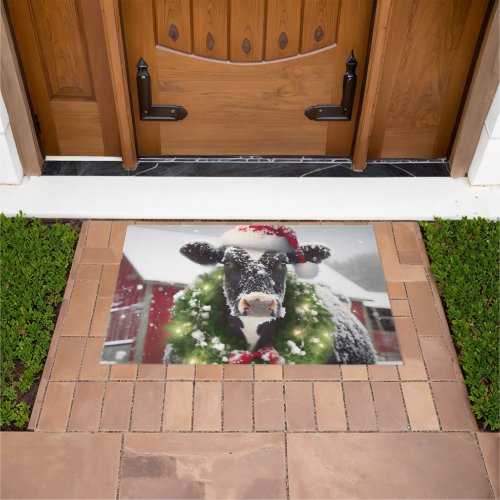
(255, 262)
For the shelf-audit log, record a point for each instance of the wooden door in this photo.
(63, 55)
(245, 71)
(428, 58)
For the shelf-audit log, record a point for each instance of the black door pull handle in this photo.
(342, 111)
(148, 110)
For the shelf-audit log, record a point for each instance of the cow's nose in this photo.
(258, 304)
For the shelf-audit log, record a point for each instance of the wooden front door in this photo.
(245, 71)
(63, 55)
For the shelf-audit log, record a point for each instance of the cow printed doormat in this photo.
(204, 294)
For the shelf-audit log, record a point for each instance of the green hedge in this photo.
(464, 258)
(34, 260)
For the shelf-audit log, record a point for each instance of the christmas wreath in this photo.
(198, 336)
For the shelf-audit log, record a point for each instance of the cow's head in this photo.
(254, 284)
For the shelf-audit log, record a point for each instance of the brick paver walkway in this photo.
(181, 431)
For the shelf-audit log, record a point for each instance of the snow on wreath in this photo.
(251, 309)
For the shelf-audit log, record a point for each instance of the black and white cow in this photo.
(254, 288)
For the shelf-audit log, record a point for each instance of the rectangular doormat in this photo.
(227, 294)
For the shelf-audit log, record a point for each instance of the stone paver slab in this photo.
(383, 372)
(359, 404)
(268, 372)
(100, 318)
(99, 256)
(454, 412)
(311, 372)
(68, 358)
(151, 372)
(437, 359)
(108, 281)
(180, 372)
(423, 309)
(56, 406)
(98, 234)
(89, 272)
(178, 410)
(269, 406)
(86, 409)
(117, 406)
(207, 414)
(389, 406)
(147, 409)
(489, 443)
(400, 307)
(123, 372)
(396, 290)
(299, 406)
(413, 367)
(208, 372)
(238, 372)
(330, 409)
(203, 466)
(92, 369)
(238, 403)
(48, 465)
(420, 406)
(81, 306)
(354, 372)
(393, 270)
(385, 465)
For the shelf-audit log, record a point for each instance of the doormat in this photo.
(225, 294)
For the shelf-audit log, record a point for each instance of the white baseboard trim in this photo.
(83, 158)
(254, 198)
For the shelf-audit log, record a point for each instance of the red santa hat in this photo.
(273, 238)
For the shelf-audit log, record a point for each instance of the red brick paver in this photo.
(272, 431)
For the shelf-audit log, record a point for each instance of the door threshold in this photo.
(249, 166)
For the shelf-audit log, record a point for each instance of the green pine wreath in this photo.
(197, 333)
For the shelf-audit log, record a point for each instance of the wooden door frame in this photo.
(16, 102)
(118, 68)
(484, 84)
(371, 87)
(473, 116)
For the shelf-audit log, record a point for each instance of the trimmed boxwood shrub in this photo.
(464, 258)
(34, 265)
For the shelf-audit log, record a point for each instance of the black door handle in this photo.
(342, 111)
(148, 110)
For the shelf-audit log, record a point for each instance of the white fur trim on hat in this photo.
(306, 271)
(255, 240)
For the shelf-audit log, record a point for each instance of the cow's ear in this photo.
(203, 253)
(315, 253)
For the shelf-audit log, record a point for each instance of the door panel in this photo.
(59, 31)
(247, 30)
(248, 108)
(283, 28)
(319, 26)
(429, 54)
(252, 69)
(61, 44)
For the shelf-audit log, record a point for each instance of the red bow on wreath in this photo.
(267, 354)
